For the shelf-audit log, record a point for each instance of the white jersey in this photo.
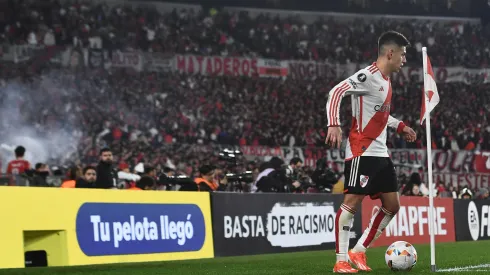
(370, 93)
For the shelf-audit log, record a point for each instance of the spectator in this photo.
(466, 194)
(89, 178)
(206, 182)
(73, 174)
(40, 175)
(483, 194)
(106, 176)
(19, 165)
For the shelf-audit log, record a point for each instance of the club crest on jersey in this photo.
(363, 180)
(361, 77)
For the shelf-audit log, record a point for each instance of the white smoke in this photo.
(20, 126)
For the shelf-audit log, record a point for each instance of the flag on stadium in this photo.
(429, 92)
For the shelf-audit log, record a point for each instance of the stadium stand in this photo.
(147, 115)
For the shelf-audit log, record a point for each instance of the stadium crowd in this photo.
(153, 117)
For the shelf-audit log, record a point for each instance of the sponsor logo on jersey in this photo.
(383, 108)
(353, 84)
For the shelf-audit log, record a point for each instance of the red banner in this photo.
(411, 224)
(261, 151)
(473, 180)
(216, 65)
(482, 162)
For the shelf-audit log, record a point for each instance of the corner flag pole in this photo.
(429, 168)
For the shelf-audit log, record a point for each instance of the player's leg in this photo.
(345, 215)
(379, 221)
(385, 183)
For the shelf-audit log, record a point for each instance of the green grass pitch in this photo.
(461, 257)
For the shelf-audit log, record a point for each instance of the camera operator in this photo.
(164, 180)
(273, 178)
(323, 177)
(206, 182)
(294, 165)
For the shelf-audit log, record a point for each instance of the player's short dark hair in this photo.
(20, 151)
(103, 150)
(392, 37)
(86, 168)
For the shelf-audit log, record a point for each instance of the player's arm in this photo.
(407, 132)
(357, 84)
(396, 124)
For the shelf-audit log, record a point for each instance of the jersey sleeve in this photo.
(357, 84)
(396, 124)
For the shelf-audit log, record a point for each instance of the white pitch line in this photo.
(465, 268)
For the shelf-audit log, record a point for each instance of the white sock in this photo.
(343, 223)
(376, 226)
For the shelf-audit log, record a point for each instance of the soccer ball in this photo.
(401, 256)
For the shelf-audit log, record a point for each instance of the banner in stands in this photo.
(272, 223)
(159, 62)
(311, 70)
(263, 152)
(132, 60)
(216, 65)
(272, 68)
(443, 75)
(95, 58)
(411, 224)
(472, 218)
(474, 180)
(25, 52)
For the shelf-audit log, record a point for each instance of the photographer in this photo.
(165, 179)
(273, 178)
(294, 165)
(323, 177)
(206, 182)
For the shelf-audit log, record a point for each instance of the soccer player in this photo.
(368, 167)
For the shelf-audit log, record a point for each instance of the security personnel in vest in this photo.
(145, 183)
(206, 182)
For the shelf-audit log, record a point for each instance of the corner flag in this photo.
(430, 98)
(429, 94)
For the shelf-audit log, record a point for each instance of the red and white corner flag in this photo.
(430, 98)
(429, 94)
